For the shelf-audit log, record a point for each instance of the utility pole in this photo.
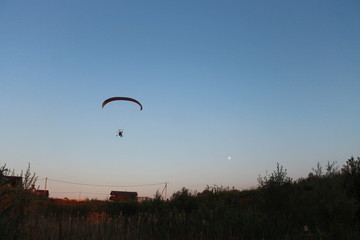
(45, 182)
(164, 190)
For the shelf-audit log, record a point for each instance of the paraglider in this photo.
(123, 99)
(120, 131)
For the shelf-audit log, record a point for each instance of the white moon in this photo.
(229, 157)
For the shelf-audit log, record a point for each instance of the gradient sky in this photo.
(259, 82)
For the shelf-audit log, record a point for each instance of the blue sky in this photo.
(259, 81)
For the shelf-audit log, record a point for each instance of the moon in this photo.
(229, 158)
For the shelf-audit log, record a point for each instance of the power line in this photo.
(84, 192)
(102, 185)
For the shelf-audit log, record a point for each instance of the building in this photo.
(123, 196)
(13, 181)
(44, 193)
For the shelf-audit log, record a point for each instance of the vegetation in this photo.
(324, 205)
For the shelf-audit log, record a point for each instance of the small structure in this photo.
(123, 196)
(44, 193)
(13, 181)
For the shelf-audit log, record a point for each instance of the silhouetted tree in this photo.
(28, 179)
(352, 177)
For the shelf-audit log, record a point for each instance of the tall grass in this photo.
(322, 206)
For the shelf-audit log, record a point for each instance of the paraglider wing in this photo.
(121, 98)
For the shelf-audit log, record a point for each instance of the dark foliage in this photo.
(325, 205)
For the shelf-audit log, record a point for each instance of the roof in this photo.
(13, 180)
(123, 193)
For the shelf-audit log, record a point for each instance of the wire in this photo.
(101, 185)
(84, 192)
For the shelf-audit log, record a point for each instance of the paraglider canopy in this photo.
(123, 99)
